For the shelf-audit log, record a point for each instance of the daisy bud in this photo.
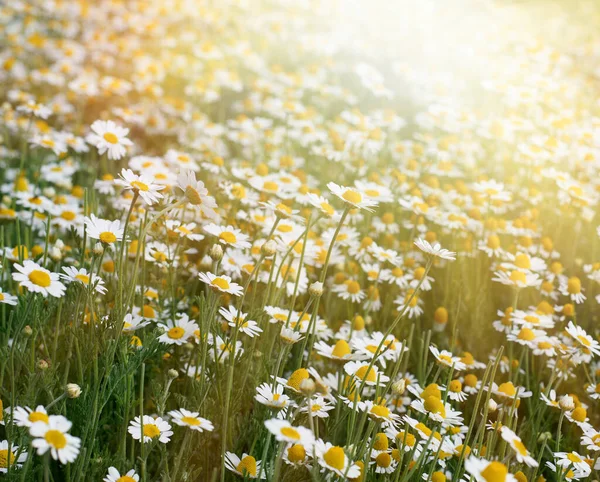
(492, 406)
(269, 248)
(73, 390)
(172, 373)
(55, 254)
(566, 403)
(6, 200)
(49, 191)
(316, 289)
(27, 331)
(216, 252)
(42, 365)
(399, 387)
(307, 387)
(98, 249)
(544, 437)
(59, 244)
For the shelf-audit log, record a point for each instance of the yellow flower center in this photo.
(579, 414)
(107, 237)
(221, 283)
(526, 334)
(455, 386)
(520, 447)
(366, 373)
(176, 333)
(228, 237)
(383, 460)
(296, 378)
(327, 208)
(296, 453)
(381, 441)
(193, 421)
(247, 466)
(290, 432)
(40, 278)
(38, 417)
(270, 186)
(6, 459)
(85, 279)
(518, 277)
(110, 137)
(151, 430)
(56, 439)
(341, 349)
(353, 197)
(140, 186)
(352, 286)
(435, 405)
(193, 196)
(495, 472)
(125, 478)
(380, 411)
(507, 389)
(574, 458)
(68, 215)
(335, 457)
(574, 286)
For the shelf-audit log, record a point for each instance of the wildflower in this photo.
(435, 250)
(446, 358)
(365, 374)
(107, 232)
(154, 429)
(196, 194)
(585, 341)
(108, 136)
(82, 276)
(228, 235)
(178, 331)
(143, 185)
(38, 280)
(246, 466)
(285, 432)
(519, 448)
(237, 318)
(333, 458)
(352, 196)
(10, 458)
(272, 397)
(114, 476)
(184, 418)
(52, 435)
(7, 298)
(488, 471)
(221, 283)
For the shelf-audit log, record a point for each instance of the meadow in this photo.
(299, 241)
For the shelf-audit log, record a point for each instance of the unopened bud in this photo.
(544, 437)
(308, 387)
(316, 289)
(216, 252)
(49, 191)
(566, 403)
(269, 248)
(98, 249)
(399, 387)
(172, 373)
(492, 406)
(55, 253)
(42, 365)
(6, 200)
(28, 331)
(59, 244)
(73, 390)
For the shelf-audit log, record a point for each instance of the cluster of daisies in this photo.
(341, 272)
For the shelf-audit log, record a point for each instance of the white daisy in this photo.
(184, 418)
(53, 436)
(154, 429)
(108, 136)
(38, 280)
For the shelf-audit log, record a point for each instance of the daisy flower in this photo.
(334, 458)
(271, 397)
(446, 358)
(221, 283)
(108, 136)
(362, 372)
(319, 407)
(352, 196)
(177, 332)
(26, 417)
(196, 194)
(237, 318)
(13, 460)
(486, 471)
(53, 436)
(107, 232)
(585, 341)
(38, 280)
(285, 432)
(154, 429)
(572, 288)
(184, 418)
(246, 466)
(133, 322)
(349, 290)
(228, 235)
(518, 446)
(435, 250)
(7, 298)
(341, 351)
(115, 476)
(517, 278)
(143, 185)
(82, 276)
(572, 460)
